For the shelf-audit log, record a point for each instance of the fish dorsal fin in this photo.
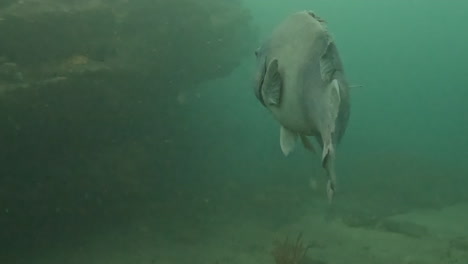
(328, 62)
(287, 140)
(271, 87)
(319, 19)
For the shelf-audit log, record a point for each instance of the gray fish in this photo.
(300, 79)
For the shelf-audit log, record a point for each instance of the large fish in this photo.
(300, 79)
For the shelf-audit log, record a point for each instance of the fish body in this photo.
(300, 79)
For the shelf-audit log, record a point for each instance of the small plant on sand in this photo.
(290, 253)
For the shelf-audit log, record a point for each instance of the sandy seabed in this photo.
(430, 236)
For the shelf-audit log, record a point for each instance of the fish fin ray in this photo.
(271, 88)
(329, 62)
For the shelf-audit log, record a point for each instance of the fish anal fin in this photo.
(334, 100)
(328, 162)
(328, 153)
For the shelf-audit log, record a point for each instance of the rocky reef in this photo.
(88, 93)
(86, 71)
(175, 44)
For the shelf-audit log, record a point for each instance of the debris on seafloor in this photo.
(290, 252)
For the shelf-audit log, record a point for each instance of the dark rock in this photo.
(179, 43)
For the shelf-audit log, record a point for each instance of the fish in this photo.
(300, 79)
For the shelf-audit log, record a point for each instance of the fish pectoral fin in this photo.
(271, 88)
(287, 140)
(307, 144)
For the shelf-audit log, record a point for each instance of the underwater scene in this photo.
(233, 132)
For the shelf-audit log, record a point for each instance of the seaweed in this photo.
(290, 252)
